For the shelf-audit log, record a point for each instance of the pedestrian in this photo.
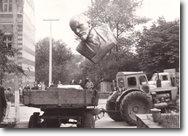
(8, 94)
(89, 84)
(3, 103)
(40, 85)
(73, 82)
(52, 84)
(35, 86)
(43, 87)
(81, 83)
(59, 85)
(27, 87)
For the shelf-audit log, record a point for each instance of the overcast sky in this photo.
(65, 9)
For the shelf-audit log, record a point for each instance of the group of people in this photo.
(86, 84)
(36, 86)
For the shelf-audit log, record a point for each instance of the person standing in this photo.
(3, 103)
(59, 85)
(43, 87)
(89, 84)
(35, 86)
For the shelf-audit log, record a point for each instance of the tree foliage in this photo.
(120, 15)
(158, 46)
(7, 63)
(64, 63)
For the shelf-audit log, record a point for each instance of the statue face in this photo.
(82, 30)
(80, 27)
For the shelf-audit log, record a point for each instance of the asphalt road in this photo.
(103, 122)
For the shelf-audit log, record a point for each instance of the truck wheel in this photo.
(87, 121)
(135, 102)
(34, 121)
(110, 107)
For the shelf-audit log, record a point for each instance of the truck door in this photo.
(165, 80)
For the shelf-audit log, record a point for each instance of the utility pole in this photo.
(15, 43)
(50, 49)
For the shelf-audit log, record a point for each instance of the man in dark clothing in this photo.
(3, 103)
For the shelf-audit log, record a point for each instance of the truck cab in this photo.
(131, 80)
(133, 95)
(164, 78)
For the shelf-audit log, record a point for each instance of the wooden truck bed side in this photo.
(59, 97)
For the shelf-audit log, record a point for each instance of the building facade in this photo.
(17, 23)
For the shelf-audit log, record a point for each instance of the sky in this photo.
(65, 9)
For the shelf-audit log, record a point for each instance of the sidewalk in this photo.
(9, 120)
(25, 113)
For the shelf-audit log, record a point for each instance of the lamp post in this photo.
(15, 43)
(50, 49)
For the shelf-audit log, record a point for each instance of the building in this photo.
(17, 22)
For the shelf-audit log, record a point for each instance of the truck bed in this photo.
(60, 97)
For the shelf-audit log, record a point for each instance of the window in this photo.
(5, 5)
(8, 40)
(1, 5)
(164, 78)
(10, 5)
(142, 80)
(131, 81)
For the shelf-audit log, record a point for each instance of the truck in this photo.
(134, 96)
(168, 78)
(68, 104)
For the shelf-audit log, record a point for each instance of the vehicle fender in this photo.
(113, 96)
(118, 100)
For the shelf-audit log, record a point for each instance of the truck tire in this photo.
(87, 121)
(133, 103)
(110, 107)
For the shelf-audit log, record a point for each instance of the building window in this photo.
(1, 5)
(5, 5)
(10, 5)
(8, 40)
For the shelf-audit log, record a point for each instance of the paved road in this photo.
(104, 122)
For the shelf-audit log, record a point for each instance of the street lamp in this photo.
(50, 49)
(15, 43)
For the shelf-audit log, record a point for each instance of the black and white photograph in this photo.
(90, 64)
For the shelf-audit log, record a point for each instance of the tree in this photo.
(64, 63)
(7, 63)
(119, 14)
(73, 67)
(158, 47)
